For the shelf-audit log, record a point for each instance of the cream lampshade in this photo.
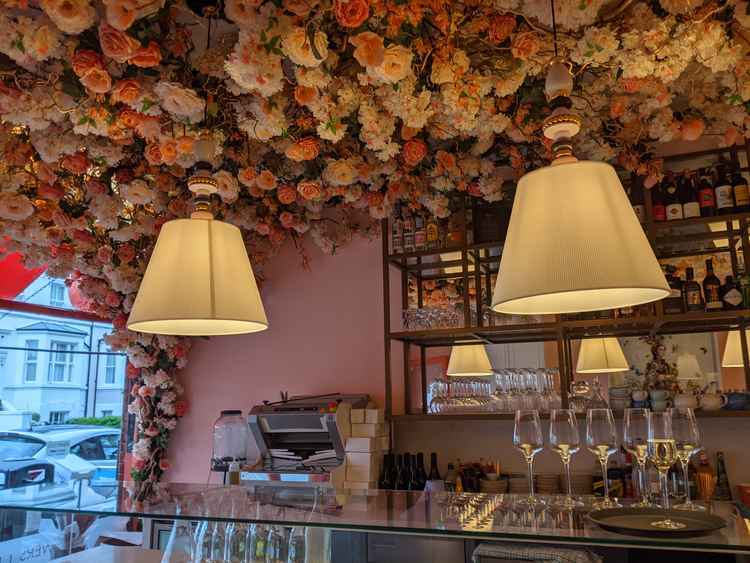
(469, 360)
(733, 350)
(199, 281)
(575, 244)
(601, 355)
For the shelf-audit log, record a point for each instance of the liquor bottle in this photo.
(672, 201)
(723, 490)
(691, 206)
(434, 473)
(731, 295)
(432, 232)
(420, 475)
(658, 205)
(724, 192)
(712, 288)
(706, 478)
(450, 478)
(706, 195)
(420, 235)
(408, 231)
(636, 200)
(673, 304)
(691, 292)
(741, 192)
(405, 477)
(397, 232)
(386, 473)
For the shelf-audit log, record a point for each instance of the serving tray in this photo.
(639, 522)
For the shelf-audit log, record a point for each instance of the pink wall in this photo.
(325, 335)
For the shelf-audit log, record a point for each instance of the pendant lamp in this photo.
(199, 281)
(574, 242)
(469, 360)
(601, 355)
(733, 350)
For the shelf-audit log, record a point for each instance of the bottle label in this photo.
(733, 297)
(742, 194)
(707, 198)
(693, 297)
(674, 211)
(660, 213)
(398, 243)
(432, 232)
(640, 212)
(712, 297)
(691, 209)
(419, 238)
(724, 197)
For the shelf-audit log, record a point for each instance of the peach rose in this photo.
(84, 60)
(396, 64)
(501, 26)
(287, 195)
(185, 144)
(247, 176)
(15, 207)
(116, 44)
(42, 42)
(76, 163)
(137, 192)
(692, 128)
(153, 154)
(310, 189)
(168, 150)
(228, 189)
(242, 12)
(351, 13)
(146, 57)
(97, 80)
(266, 180)
(126, 91)
(304, 149)
(446, 162)
(413, 151)
(525, 45)
(304, 95)
(50, 191)
(70, 16)
(369, 49)
(148, 127)
(297, 46)
(129, 118)
(121, 13)
(300, 7)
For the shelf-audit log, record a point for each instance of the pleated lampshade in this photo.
(469, 361)
(601, 355)
(199, 282)
(574, 244)
(733, 350)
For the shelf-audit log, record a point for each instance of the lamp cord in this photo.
(554, 25)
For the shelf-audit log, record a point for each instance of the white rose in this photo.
(137, 192)
(180, 102)
(340, 173)
(71, 16)
(227, 187)
(296, 45)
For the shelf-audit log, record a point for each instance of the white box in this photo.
(374, 416)
(369, 430)
(362, 466)
(360, 485)
(358, 416)
(363, 444)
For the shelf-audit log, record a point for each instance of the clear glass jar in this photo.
(230, 437)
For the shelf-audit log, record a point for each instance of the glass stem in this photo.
(686, 478)
(530, 462)
(643, 481)
(603, 461)
(664, 489)
(566, 464)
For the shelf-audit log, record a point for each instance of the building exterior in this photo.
(57, 368)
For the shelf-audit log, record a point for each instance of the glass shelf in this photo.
(466, 515)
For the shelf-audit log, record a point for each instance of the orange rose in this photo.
(304, 149)
(146, 57)
(76, 163)
(153, 154)
(525, 45)
(351, 13)
(445, 161)
(121, 13)
(116, 44)
(185, 144)
(266, 180)
(414, 151)
(286, 194)
(84, 60)
(247, 176)
(168, 150)
(501, 26)
(305, 94)
(369, 49)
(97, 80)
(129, 118)
(300, 7)
(692, 128)
(310, 189)
(126, 91)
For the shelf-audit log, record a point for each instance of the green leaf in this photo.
(17, 43)
(147, 104)
(83, 121)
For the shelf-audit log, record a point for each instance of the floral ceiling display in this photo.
(321, 114)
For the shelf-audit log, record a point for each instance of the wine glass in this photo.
(635, 440)
(662, 453)
(687, 441)
(564, 439)
(601, 440)
(527, 438)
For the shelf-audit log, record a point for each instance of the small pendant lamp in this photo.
(601, 355)
(733, 350)
(469, 360)
(199, 281)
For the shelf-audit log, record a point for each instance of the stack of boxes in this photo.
(365, 448)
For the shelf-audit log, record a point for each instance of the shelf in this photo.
(510, 416)
(664, 225)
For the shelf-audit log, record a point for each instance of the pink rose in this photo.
(125, 253)
(104, 254)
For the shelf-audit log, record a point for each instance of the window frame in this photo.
(67, 364)
(53, 419)
(53, 287)
(31, 346)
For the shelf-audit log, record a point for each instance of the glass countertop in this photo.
(479, 516)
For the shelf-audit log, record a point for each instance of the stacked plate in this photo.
(582, 483)
(547, 483)
(497, 486)
(518, 485)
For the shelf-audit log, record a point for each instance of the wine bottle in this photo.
(711, 288)
(691, 292)
(723, 491)
(408, 231)
(706, 195)
(673, 304)
(658, 205)
(731, 295)
(434, 473)
(397, 231)
(450, 478)
(420, 475)
(405, 478)
(673, 205)
(724, 192)
(636, 200)
(741, 192)
(690, 201)
(385, 473)
(420, 235)
(397, 472)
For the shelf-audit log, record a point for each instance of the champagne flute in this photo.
(527, 438)
(662, 453)
(687, 441)
(601, 440)
(564, 439)
(635, 440)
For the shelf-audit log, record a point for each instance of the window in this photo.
(60, 362)
(110, 365)
(58, 417)
(30, 361)
(57, 294)
(107, 413)
(97, 448)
